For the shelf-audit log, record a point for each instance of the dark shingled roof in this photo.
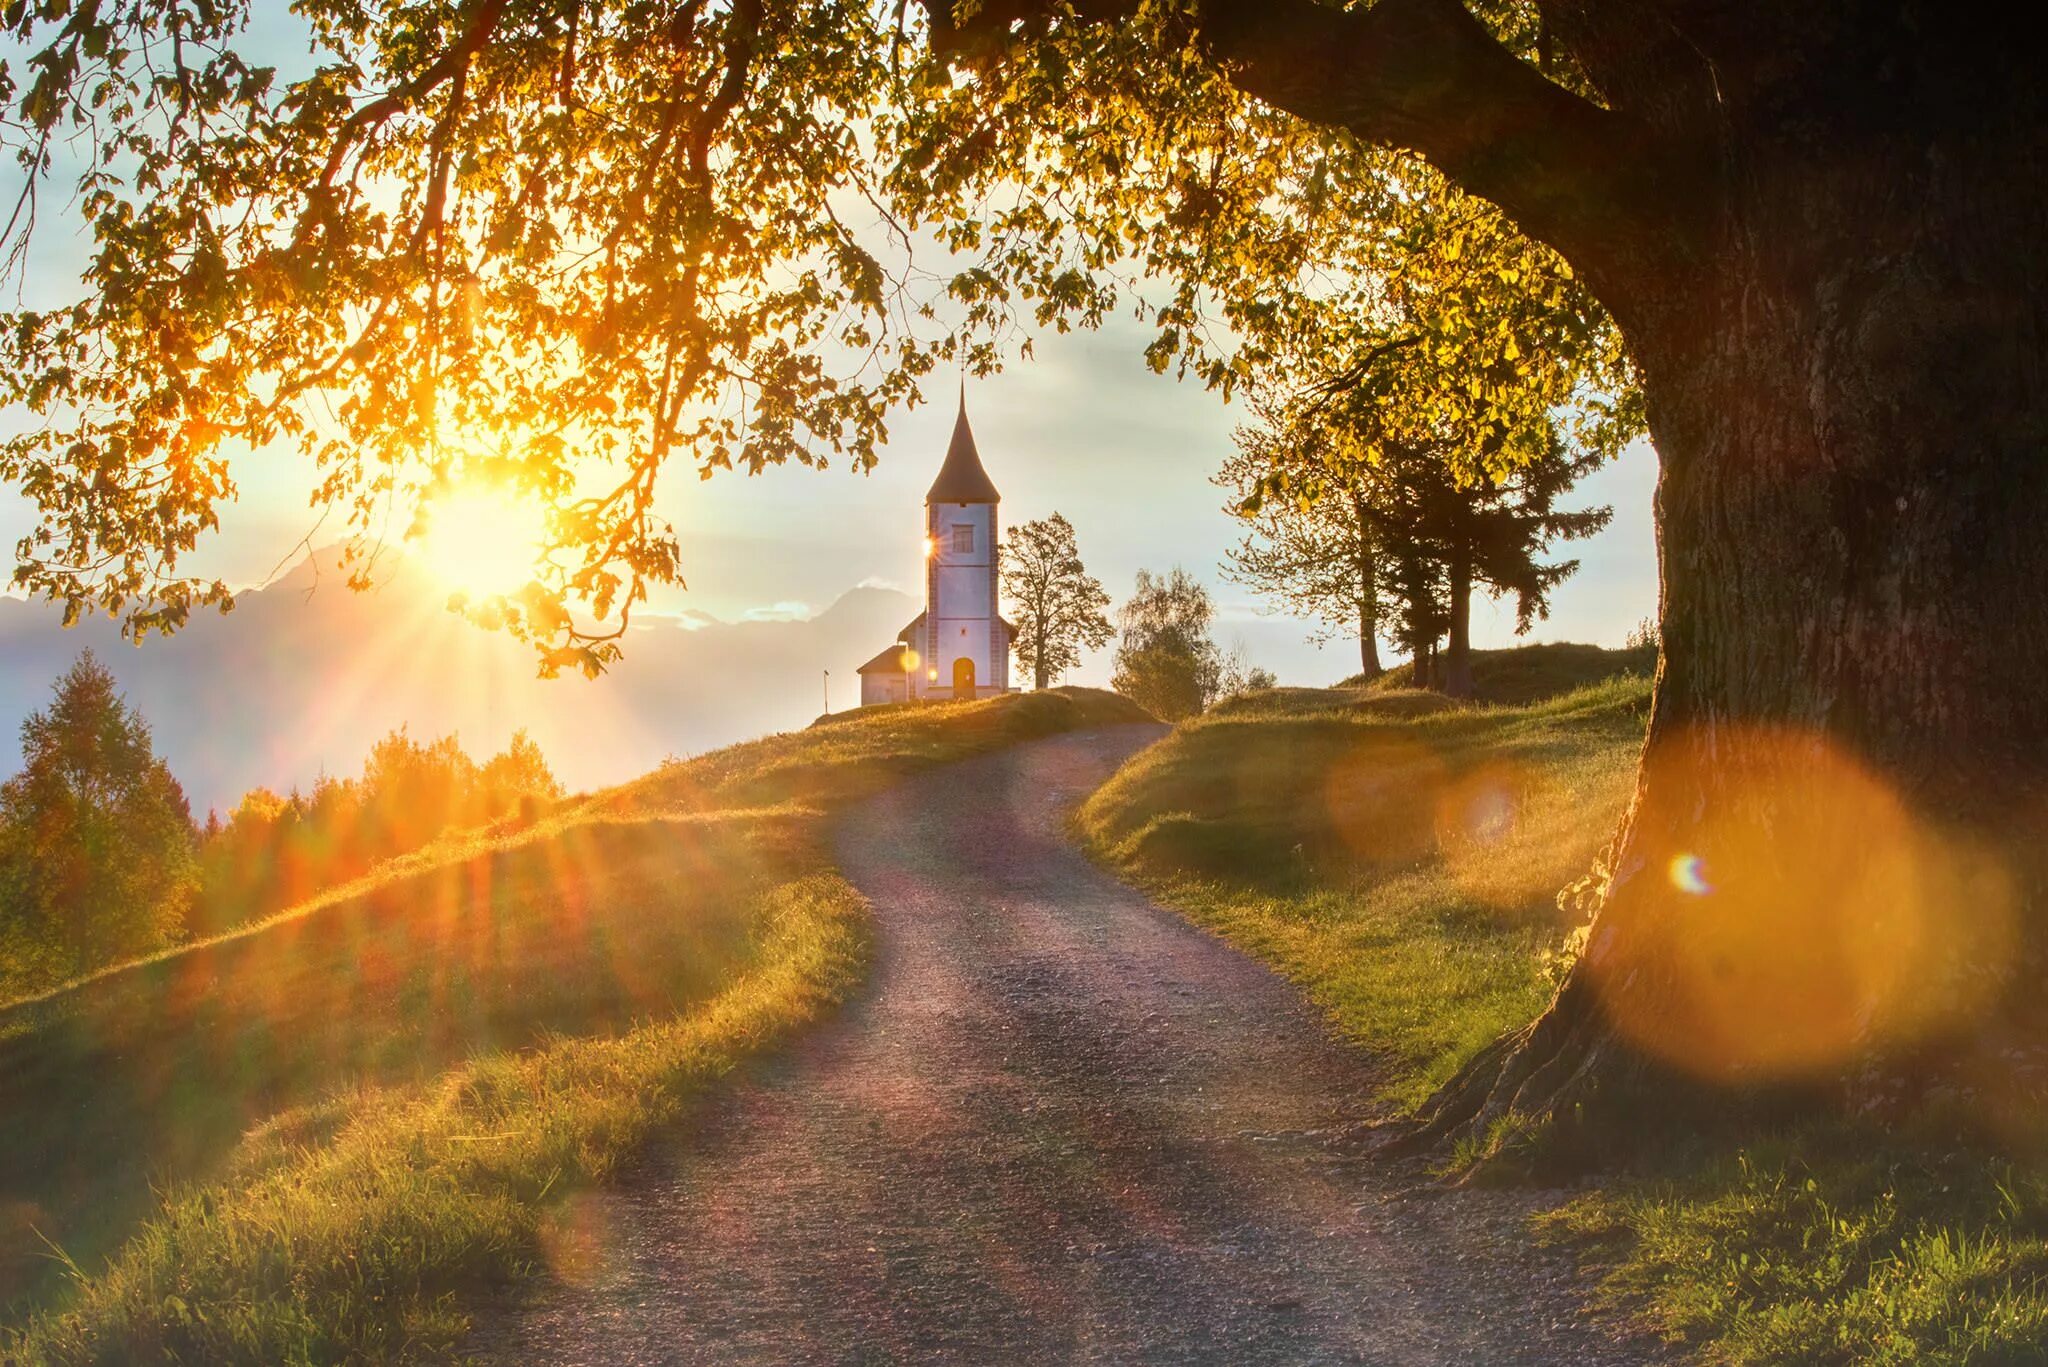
(961, 479)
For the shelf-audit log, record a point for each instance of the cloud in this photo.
(1241, 611)
(788, 610)
(685, 619)
(881, 581)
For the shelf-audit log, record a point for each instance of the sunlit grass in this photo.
(1396, 855)
(1307, 826)
(349, 1228)
(1831, 1243)
(333, 1124)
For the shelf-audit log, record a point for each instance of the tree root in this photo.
(1545, 1077)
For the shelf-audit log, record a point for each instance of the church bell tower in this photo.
(966, 650)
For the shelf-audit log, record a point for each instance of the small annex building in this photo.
(959, 646)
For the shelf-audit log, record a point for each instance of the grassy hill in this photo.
(1399, 856)
(1524, 674)
(304, 1140)
(1396, 853)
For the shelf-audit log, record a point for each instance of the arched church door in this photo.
(963, 677)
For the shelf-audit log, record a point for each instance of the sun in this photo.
(482, 541)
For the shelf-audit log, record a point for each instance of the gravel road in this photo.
(1061, 1125)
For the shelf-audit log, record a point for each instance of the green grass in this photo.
(1525, 674)
(1396, 854)
(1306, 826)
(1831, 1242)
(307, 1140)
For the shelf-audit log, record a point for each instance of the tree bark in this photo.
(1367, 568)
(1831, 874)
(1457, 680)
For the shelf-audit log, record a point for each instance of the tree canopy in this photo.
(96, 861)
(558, 249)
(1058, 603)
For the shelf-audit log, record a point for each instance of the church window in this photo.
(963, 538)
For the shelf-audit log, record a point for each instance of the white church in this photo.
(959, 646)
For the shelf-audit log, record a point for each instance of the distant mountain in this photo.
(303, 676)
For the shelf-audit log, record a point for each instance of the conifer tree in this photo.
(96, 839)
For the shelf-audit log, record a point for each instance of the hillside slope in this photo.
(1397, 854)
(369, 1103)
(1400, 856)
(1525, 674)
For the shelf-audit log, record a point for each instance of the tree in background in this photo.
(1420, 612)
(273, 851)
(1166, 661)
(1240, 675)
(1315, 558)
(1482, 530)
(516, 778)
(96, 861)
(1353, 521)
(1058, 603)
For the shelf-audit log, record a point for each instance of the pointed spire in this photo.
(962, 479)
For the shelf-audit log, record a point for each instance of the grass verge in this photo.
(1829, 1242)
(1396, 855)
(331, 1125)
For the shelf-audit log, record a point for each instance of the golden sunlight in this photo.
(482, 541)
(1817, 913)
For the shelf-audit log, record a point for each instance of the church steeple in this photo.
(959, 646)
(961, 479)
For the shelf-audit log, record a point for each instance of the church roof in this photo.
(889, 661)
(961, 479)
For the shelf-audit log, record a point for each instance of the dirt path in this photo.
(1063, 1125)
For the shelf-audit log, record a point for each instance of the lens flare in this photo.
(1380, 797)
(1689, 875)
(1805, 912)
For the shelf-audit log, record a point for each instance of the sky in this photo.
(1087, 430)
(1083, 428)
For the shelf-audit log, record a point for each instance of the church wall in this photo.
(881, 688)
(961, 597)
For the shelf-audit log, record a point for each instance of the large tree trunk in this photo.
(1368, 648)
(1457, 680)
(1822, 227)
(1832, 865)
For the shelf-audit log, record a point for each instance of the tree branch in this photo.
(1426, 75)
(482, 23)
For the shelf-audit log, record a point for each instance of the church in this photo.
(959, 646)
